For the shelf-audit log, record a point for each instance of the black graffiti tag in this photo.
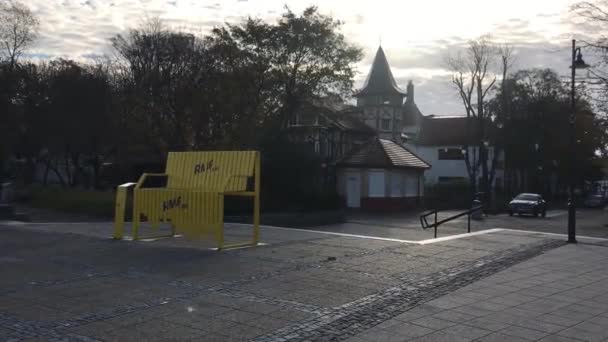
(205, 167)
(172, 203)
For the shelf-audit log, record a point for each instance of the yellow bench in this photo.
(193, 199)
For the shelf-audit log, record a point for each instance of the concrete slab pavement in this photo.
(561, 295)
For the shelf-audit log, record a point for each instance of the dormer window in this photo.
(386, 124)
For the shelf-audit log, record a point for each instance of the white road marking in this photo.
(240, 247)
(418, 242)
(556, 213)
(459, 236)
(334, 233)
(554, 234)
(12, 223)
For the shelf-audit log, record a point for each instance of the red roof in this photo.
(383, 153)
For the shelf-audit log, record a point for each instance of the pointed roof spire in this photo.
(410, 91)
(380, 79)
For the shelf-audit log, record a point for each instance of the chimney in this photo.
(410, 92)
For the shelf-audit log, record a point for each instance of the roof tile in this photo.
(383, 153)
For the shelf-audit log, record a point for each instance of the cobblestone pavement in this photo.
(301, 286)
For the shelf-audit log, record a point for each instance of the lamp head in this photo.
(579, 63)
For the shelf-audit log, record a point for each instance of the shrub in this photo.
(77, 201)
(456, 195)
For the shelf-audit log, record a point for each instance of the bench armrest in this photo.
(144, 176)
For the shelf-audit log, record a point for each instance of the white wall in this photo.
(404, 183)
(446, 168)
(396, 183)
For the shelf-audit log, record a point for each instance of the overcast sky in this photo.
(415, 34)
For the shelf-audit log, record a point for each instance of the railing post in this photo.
(469, 222)
(435, 224)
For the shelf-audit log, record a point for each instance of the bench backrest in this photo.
(216, 171)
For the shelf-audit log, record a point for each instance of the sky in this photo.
(415, 35)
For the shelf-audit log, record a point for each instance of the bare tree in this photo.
(475, 73)
(594, 17)
(162, 66)
(506, 60)
(18, 29)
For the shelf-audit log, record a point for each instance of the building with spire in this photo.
(381, 99)
(383, 173)
(395, 150)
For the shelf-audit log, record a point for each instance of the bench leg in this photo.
(122, 193)
(119, 213)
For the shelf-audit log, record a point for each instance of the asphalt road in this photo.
(590, 222)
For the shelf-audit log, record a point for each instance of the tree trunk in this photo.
(47, 168)
(68, 171)
(57, 173)
(96, 171)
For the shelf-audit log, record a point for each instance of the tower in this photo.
(411, 116)
(381, 99)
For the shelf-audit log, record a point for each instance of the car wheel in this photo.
(535, 213)
(544, 213)
(510, 213)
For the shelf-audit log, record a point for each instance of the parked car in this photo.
(528, 203)
(594, 201)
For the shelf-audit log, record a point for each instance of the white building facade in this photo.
(441, 141)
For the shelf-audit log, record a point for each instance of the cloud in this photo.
(547, 15)
(415, 36)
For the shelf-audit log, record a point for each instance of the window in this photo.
(396, 184)
(307, 120)
(528, 197)
(450, 154)
(293, 120)
(376, 183)
(386, 124)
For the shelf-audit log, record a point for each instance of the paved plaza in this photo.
(68, 281)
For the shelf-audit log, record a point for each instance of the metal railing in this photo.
(425, 224)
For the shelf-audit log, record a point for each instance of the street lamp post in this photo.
(577, 63)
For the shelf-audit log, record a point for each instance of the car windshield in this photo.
(527, 197)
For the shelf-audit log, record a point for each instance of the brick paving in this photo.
(302, 286)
